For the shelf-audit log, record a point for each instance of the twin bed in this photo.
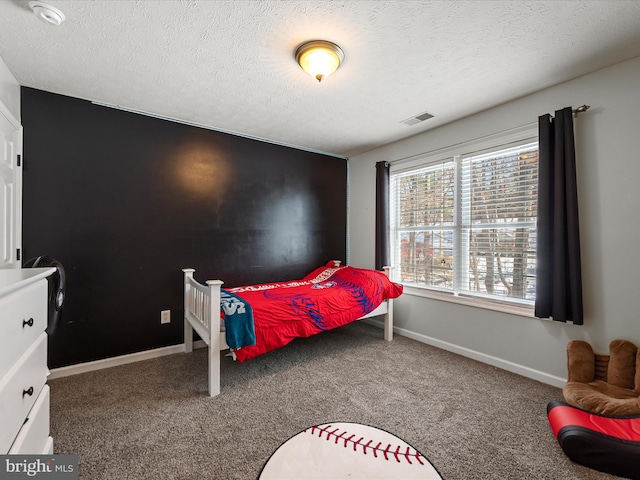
(252, 320)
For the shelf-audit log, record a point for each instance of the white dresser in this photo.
(24, 395)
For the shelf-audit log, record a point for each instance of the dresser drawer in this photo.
(24, 317)
(19, 389)
(34, 433)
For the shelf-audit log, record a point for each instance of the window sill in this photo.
(521, 310)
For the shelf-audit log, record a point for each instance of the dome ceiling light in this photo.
(46, 12)
(319, 58)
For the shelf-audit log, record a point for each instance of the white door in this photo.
(10, 190)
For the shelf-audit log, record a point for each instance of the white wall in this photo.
(9, 91)
(608, 157)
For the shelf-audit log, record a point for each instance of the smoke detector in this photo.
(46, 12)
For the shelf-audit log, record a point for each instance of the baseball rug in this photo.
(347, 450)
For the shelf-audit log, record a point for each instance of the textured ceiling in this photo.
(229, 65)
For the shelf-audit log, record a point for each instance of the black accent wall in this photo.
(126, 201)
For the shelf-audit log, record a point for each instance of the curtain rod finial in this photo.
(582, 108)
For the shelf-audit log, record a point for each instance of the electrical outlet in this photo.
(165, 316)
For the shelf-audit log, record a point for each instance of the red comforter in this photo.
(327, 298)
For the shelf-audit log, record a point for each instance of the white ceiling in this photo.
(229, 65)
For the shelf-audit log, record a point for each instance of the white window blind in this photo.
(424, 224)
(498, 209)
(467, 224)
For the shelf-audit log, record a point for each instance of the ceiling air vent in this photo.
(417, 118)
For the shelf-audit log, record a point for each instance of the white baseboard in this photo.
(479, 356)
(120, 360)
(465, 352)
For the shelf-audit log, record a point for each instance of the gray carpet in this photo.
(154, 420)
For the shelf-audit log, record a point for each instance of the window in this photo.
(464, 221)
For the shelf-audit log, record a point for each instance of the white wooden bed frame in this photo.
(202, 303)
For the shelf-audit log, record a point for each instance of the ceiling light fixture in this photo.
(47, 13)
(319, 58)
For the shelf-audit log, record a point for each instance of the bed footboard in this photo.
(202, 314)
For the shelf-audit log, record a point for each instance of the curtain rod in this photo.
(580, 109)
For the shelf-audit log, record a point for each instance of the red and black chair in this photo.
(605, 443)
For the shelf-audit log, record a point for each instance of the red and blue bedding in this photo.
(327, 298)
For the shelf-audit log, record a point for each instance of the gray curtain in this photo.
(558, 272)
(382, 215)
